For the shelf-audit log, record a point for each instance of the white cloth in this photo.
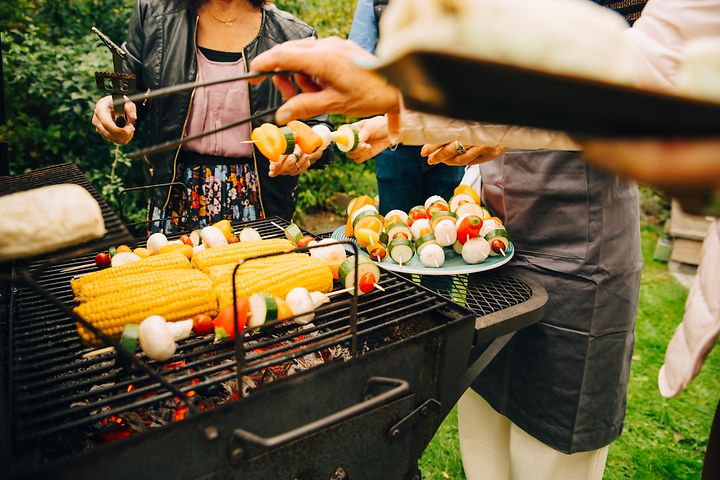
(494, 448)
(698, 333)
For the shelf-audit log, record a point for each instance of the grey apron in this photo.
(576, 232)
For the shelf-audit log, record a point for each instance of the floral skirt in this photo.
(213, 192)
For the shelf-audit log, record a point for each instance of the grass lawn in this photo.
(663, 438)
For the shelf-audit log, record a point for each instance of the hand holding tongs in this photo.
(116, 83)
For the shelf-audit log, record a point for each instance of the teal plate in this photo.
(454, 264)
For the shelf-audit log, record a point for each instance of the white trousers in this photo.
(494, 448)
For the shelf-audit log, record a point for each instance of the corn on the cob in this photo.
(131, 283)
(173, 297)
(166, 261)
(221, 273)
(234, 252)
(278, 279)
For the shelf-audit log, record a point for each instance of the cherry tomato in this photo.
(123, 248)
(498, 246)
(417, 213)
(233, 239)
(378, 253)
(102, 260)
(367, 283)
(203, 324)
(304, 241)
(186, 240)
(225, 323)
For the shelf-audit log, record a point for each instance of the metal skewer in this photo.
(183, 87)
(176, 143)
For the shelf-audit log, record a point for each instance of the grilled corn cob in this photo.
(175, 297)
(235, 252)
(132, 283)
(221, 273)
(166, 261)
(278, 279)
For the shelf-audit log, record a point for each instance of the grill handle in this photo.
(399, 388)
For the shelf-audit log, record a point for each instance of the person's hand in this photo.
(374, 138)
(294, 163)
(104, 123)
(672, 164)
(330, 79)
(456, 154)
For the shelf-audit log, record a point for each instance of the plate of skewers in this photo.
(453, 237)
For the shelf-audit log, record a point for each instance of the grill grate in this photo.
(56, 388)
(117, 233)
(482, 293)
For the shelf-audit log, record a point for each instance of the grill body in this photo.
(368, 416)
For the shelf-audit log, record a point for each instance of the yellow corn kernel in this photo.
(221, 273)
(235, 252)
(166, 261)
(174, 297)
(131, 283)
(278, 279)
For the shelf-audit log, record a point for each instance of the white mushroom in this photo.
(213, 237)
(445, 232)
(300, 302)
(156, 241)
(432, 256)
(475, 250)
(155, 337)
(249, 234)
(122, 258)
(180, 330)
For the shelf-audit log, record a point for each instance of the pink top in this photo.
(218, 105)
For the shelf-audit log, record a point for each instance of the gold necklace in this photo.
(228, 21)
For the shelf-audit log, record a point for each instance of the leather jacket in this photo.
(161, 47)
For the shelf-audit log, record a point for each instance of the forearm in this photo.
(413, 128)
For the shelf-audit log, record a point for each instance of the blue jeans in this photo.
(405, 179)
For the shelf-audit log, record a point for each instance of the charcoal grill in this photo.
(364, 416)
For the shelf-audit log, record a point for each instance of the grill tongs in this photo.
(116, 83)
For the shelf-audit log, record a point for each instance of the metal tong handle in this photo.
(119, 55)
(180, 141)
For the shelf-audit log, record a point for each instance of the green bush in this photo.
(50, 57)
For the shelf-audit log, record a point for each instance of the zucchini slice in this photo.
(130, 337)
(438, 216)
(289, 140)
(347, 138)
(346, 272)
(399, 227)
(401, 250)
(263, 308)
(423, 241)
(501, 235)
(293, 233)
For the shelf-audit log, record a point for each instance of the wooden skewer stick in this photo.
(502, 252)
(248, 141)
(436, 262)
(278, 226)
(400, 262)
(338, 292)
(377, 285)
(97, 353)
(77, 267)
